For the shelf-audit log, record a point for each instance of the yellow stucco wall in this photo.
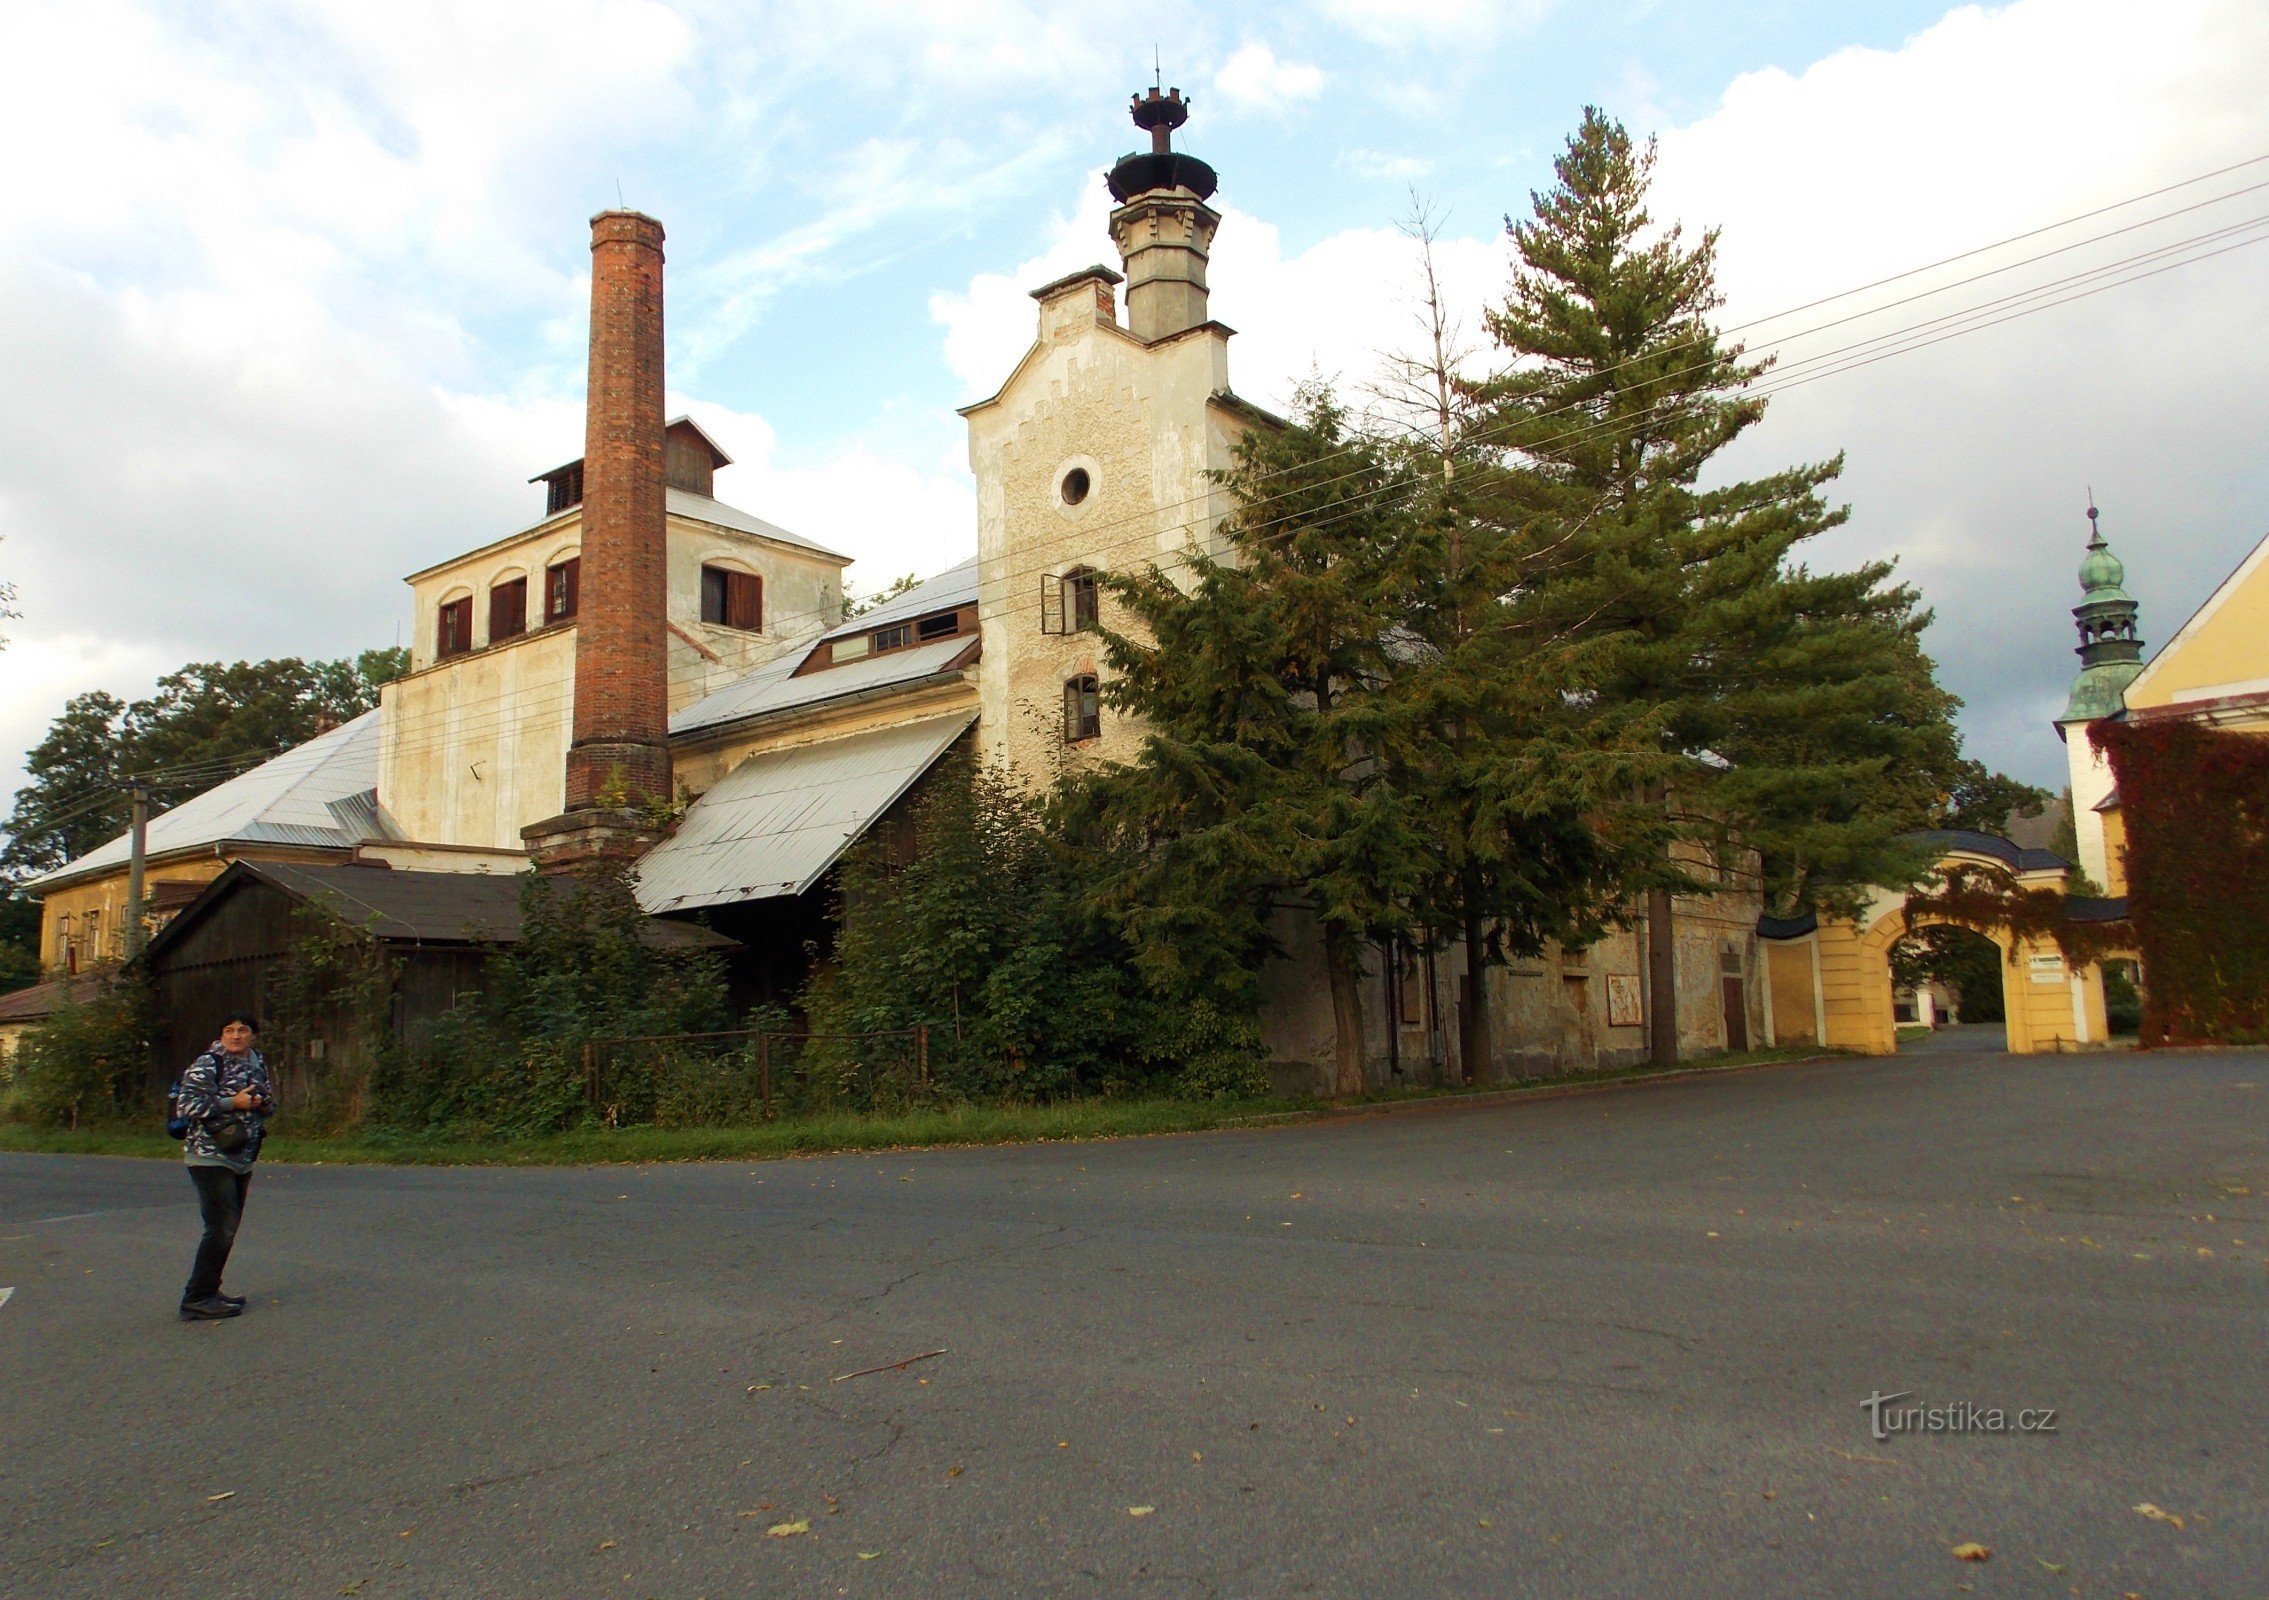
(63, 911)
(2224, 650)
(2114, 825)
(1139, 421)
(2050, 1006)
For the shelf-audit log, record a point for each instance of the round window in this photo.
(1075, 486)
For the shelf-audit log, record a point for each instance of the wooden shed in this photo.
(229, 948)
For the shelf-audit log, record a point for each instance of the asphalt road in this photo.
(1594, 1346)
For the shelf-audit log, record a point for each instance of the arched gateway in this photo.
(1828, 981)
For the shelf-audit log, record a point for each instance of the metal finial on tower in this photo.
(1157, 71)
(2095, 534)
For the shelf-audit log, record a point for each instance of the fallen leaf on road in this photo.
(2147, 1509)
(874, 1555)
(1484, 1522)
(230, 1494)
(355, 1587)
(607, 1545)
(2054, 1567)
(953, 1472)
(1140, 1511)
(786, 1530)
(1971, 1552)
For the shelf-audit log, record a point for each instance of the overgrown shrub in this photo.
(975, 919)
(512, 1061)
(88, 1063)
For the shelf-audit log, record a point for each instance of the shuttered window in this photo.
(562, 589)
(1083, 709)
(456, 631)
(507, 610)
(732, 599)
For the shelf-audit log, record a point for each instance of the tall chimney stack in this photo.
(620, 753)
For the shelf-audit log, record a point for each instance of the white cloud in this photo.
(1330, 309)
(1969, 460)
(1254, 79)
(1378, 164)
(1407, 22)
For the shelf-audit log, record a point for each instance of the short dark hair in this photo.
(245, 1017)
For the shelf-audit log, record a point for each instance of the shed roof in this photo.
(40, 1000)
(398, 906)
(312, 795)
(773, 824)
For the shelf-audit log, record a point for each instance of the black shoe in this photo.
(235, 1300)
(210, 1309)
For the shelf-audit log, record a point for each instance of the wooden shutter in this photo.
(456, 635)
(744, 601)
(507, 610)
(562, 589)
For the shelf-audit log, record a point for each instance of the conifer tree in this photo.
(1795, 712)
(1264, 781)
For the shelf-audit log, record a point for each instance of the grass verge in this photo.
(959, 1125)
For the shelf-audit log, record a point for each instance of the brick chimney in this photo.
(620, 754)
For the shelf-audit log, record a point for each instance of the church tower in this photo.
(1098, 455)
(2111, 655)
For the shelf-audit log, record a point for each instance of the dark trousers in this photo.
(220, 1200)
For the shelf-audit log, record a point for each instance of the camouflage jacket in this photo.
(213, 1080)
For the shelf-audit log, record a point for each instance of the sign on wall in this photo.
(2048, 969)
(1624, 1007)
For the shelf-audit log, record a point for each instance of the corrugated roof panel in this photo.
(773, 824)
(699, 507)
(283, 801)
(956, 586)
(773, 686)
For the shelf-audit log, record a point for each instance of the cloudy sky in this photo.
(292, 296)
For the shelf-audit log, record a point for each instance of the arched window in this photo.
(732, 599)
(1071, 603)
(1083, 709)
(508, 608)
(453, 634)
(563, 588)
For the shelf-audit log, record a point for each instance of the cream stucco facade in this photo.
(473, 746)
(1145, 426)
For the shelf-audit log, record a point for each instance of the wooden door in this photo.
(1736, 1014)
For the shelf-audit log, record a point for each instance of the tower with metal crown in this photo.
(1163, 226)
(2111, 656)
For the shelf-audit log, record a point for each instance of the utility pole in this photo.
(139, 793)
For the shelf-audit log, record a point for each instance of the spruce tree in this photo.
(1797, 720)
(1264, 782)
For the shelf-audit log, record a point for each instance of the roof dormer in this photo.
(690, 459)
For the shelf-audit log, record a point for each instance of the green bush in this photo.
(512, 1062)
(88, 1064)
(976, 919)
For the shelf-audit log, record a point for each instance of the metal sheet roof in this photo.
(288, 800)
(955, 586)
(773, 824)
(773, 686)
(398, 906)
(700, 508)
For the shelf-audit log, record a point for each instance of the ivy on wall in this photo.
(2196, 803)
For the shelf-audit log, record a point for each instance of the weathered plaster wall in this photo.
(1140, 421)
(474, 748)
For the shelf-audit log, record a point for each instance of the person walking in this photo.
(227, 1097)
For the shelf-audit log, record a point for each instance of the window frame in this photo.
(453, 621)
(1083, 708)
(738, 598)
(563, 582)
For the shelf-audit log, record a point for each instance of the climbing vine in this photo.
(2196, 804)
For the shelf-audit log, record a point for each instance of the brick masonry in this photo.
(620, 749)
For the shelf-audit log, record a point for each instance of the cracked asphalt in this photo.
(1600, 1345)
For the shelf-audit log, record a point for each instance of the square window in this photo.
(944, 627)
